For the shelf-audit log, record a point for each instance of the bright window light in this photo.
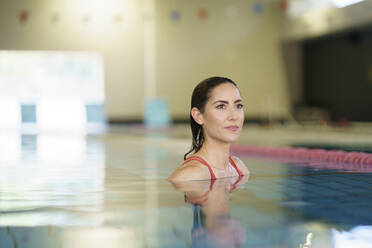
(345, 3)
(50, 90)
(62, 115)
(299, 8)
(10, 114)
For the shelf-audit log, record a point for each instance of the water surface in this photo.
(111, 191)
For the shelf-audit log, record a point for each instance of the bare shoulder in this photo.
(194, 186)
(241, 166)
(192, 170)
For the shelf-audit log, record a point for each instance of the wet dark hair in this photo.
(199, 98)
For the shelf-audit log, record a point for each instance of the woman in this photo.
(213, 225)
(216, 120)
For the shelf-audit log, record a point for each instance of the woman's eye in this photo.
(239, 106)
(221, 106)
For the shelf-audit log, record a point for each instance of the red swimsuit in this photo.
(213, 177)
(201, 199)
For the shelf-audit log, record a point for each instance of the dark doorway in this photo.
(338, 74)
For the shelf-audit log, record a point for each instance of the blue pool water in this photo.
(111, 191)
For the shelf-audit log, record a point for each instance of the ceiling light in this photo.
(344, 3)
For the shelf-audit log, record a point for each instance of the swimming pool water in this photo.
(111, 191)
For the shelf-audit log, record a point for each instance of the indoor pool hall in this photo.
(193, 124)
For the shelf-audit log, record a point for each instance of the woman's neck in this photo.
(216, 153)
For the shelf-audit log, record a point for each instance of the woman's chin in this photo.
(232, 138)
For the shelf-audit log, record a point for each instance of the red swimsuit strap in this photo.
(213, 177)
(199, 159)
(236, 167)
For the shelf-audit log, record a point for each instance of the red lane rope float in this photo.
(316, 158)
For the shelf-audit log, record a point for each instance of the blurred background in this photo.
(76, 65)
(94, 107)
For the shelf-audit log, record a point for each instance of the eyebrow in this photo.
(226, 102)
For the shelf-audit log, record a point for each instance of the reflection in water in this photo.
(90, 192)
(51, 178)
(10, 144)
(213, 226)
(29, 142)
(151, 188)
(359, 236)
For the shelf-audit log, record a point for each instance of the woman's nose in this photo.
(233, 115)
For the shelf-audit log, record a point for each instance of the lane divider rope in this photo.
(320, 158)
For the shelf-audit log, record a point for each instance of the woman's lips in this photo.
(232, 128)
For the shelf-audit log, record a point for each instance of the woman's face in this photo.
(223, 115)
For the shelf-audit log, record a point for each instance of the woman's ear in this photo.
(197, 115)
